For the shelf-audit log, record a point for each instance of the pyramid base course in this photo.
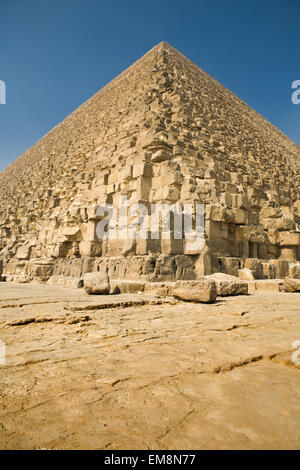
(148, 268)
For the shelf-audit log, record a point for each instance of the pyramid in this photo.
(163, 131)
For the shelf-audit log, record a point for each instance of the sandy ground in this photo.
(138, 372)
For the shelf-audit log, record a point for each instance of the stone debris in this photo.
(291, 285)
(228, 285)
(268, 285)
(65, 281)
(196, 291)
(120, 286)
(96, 283)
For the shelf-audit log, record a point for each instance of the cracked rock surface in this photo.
(142, 372)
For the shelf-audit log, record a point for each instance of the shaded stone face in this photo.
(163, 132)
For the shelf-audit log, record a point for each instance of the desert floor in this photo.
(139, 372)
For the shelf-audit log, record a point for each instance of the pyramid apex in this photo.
(163, 45)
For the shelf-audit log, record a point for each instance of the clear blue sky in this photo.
(55, 54)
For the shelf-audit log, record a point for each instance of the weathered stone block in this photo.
(255, 266)
(65, 281)
(90, 248)
(246, 274)
(23, 252)
(196, 291)
(161, 289)
(282, 268)
(96, 283)
(270, 285)
(289, 238)
(291, 285)
(121, 286)
(288, 253)
(228, 285)
(294, 271)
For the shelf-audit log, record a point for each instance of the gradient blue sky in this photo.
(55, 54)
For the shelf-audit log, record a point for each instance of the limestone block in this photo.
(227, 265)
(40, 268)
(288, 253)
(122, 286)
(125, 173)
(283, 223)
(96, 283)
(91, 212)
(145, 246)
(110, 188)
(256, 193)
(102, 180)
(127, 246)
(216, 213)
(289, 238)
(128, 186)
(273, 251)
(203, 264)
(23, 252)
(71, 233)
(262, 250)
(161, 289)
(243, 248)
(196, 291)
(251, 287)
(142, 169)
(240, 216)
(20, 278)
(143, 187)
(226, 199)
(115, 247)
(194, 246)
(294, 271)
(282, 268)
(253, 233)
(240, 201)
(160, 155)
(167, 193)
(255, 266)
(269, 212)
(60, 249)
(228, 285)
(89, 231)
(171, 246)
(65, 281)
(269, 270)
(270, 285)
(291, 285)
(90, 248)
(246, 274)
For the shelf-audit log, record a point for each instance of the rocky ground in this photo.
(142, 372)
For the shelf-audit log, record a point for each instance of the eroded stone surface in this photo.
(196, 291)
(291, 285)
(96, 283)
(116, 373)
(228, 285)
